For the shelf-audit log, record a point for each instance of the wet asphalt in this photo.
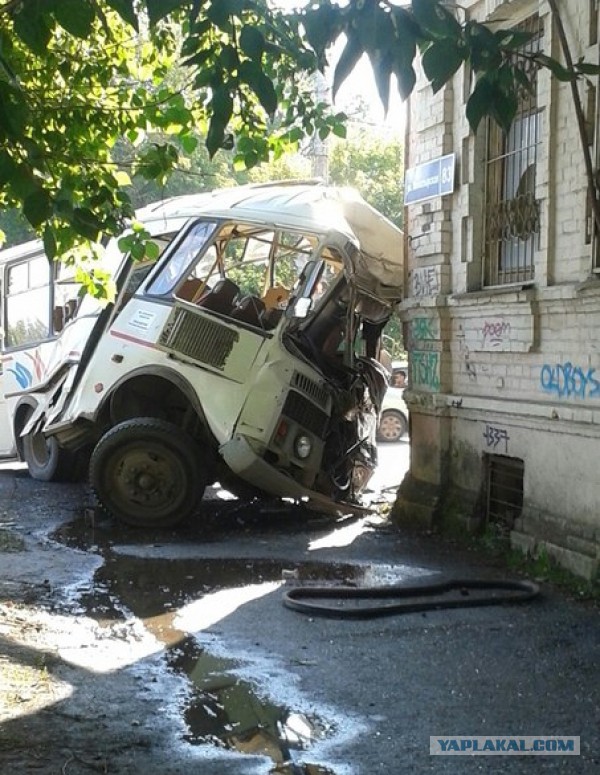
(327, 696)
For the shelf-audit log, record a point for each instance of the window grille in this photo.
(512, 211)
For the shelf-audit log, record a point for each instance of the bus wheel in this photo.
(45, 460)
(147, 473)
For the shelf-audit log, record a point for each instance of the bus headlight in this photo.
(302, 446)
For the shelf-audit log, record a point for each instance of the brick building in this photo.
(503, 306)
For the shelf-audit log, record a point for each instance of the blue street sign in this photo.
(425, 181)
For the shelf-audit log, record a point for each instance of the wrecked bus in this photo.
(246, 355)
(45, 323)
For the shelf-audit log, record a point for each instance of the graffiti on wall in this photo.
(494, 333)
(465, 354)
(565, 380)
(425, 333)
(425, 369)
(496, 437)
(425, 281)
(424, 329)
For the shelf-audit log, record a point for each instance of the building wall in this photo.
(506, 372)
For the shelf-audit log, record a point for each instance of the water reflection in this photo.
(220, 709)
(225, 710)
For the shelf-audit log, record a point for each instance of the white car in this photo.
(393, 420)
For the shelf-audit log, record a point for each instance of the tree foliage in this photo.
(374, 166)
(80, 77)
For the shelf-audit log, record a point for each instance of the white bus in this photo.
(45, 324)
(248, 355)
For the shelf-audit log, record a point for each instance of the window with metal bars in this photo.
(504, 490)
(511, 209)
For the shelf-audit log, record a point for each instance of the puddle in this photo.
(220, 708)
(226, 711)
(156, 577)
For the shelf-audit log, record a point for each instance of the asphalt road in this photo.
(352, 696)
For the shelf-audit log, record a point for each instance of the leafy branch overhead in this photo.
(77, 76)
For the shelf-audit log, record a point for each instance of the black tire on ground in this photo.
(147, 473)
(392, 426)
(45, 460)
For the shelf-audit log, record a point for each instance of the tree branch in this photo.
(580, 116)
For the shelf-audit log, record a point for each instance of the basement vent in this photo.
(504, 489)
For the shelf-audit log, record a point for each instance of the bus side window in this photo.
(27, 302)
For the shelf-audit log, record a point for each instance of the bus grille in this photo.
(319, 395)
(197, 337)
(305, 413)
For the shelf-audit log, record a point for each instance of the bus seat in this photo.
(221, 298)
(249, 310)
(189, 288)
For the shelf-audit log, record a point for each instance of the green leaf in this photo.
(405, 75)
(125, 9)
(587, 68)
(199, 58)
(512, 39)
(436, 19)
(32, 26)
(322, 25)
(126, 242)
(159, 9)
(485, 53)
(222, 105)
(14, 113)
(220, 11)
(558, 71)
(261, 85)
(215, 136)
(265, 91)
(349, 57)
(382, 70)
(504, 108)
(189, 143)
(252, 42)
(86, 223)
(152, 250)
(37, 207)
(441, 60)
(75, 16)
(479, 103)
(8, 167)
(138, 251)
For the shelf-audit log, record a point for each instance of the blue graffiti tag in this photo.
(22, 375)
(568, 381)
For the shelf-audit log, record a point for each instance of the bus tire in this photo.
(46, 460)
(147, 472)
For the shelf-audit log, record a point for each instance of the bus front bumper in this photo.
(244, 461)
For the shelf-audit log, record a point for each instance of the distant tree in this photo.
(374, 166)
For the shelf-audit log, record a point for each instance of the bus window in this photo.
(27, 304)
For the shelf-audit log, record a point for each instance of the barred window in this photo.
(511, 209)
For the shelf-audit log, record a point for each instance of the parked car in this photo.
(399, 376)
(393, 420)
(246, 354)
